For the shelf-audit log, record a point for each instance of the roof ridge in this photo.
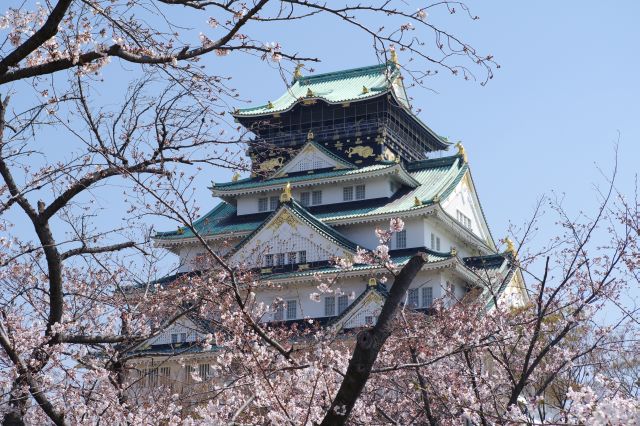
(304, 80)
(431, 162)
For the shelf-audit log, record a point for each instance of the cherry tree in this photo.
(69, 323)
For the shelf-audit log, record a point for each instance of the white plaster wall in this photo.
(308, 308)
(183, 326)
(331, 193)
(463, 200)
(188, 254)
(364, 235)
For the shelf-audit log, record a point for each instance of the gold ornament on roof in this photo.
(235, 177)
(511, 248)
(436, 198)
(453, 252)
(417, 202)
(285, 197)
(309, 93)
(365, 90)
(270, 105)
(372, 282)
(296, 73)
(394, 55)
(310, 135)
(271, 164)
(461, 151)
(362, 151)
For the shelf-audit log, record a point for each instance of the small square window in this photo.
(435, 242)
(343, 302)
(329, 306)
(273, 203)
(412, 298)
(347, 193)
(268, 260)
(280, 259)
(292, 309)
(401, 239)
(360, 192)
(305, 198)
(427, 297)
(204, 371)
(183, 337)
(368, 320)
(263, 204)
(291, 257)
(302, 256)
(316, 197)
(174, 338)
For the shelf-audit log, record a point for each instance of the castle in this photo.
(335, 157)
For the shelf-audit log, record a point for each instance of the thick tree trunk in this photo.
(368, 345)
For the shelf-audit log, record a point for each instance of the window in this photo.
(165, 375)
(268, 260)
(412, 299)
(329, 306)
(280, 259)
(204, 371)
(368, 320)
(292, 309)
(188, 373)
(183, 337)
(343, 302)
(427, 297)
(347, 193)
(463, 219)
(316, 197)
(401, 239)
(174, 338)
(152, 377)
(302, 256)
(273, 203)
(305, 198)
(435, 242)
(359, 192)
(291, 257)
(278, 312)
(263, 204)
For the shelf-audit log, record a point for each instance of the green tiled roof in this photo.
(257, 182)
(436, 177)
(335, 87)
(400, 260)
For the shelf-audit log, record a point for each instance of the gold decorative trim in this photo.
(284, 217)
(362, 151)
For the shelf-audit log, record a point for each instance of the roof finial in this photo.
(394, 55)
(310, 135)
(461, 151)
(453, 252)
(285, 197)
(511, 248)
(270, 105)
(309, 93)
(296, 73)
(235, 177)
(365, 90)
(372, 282)
(417, 202)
